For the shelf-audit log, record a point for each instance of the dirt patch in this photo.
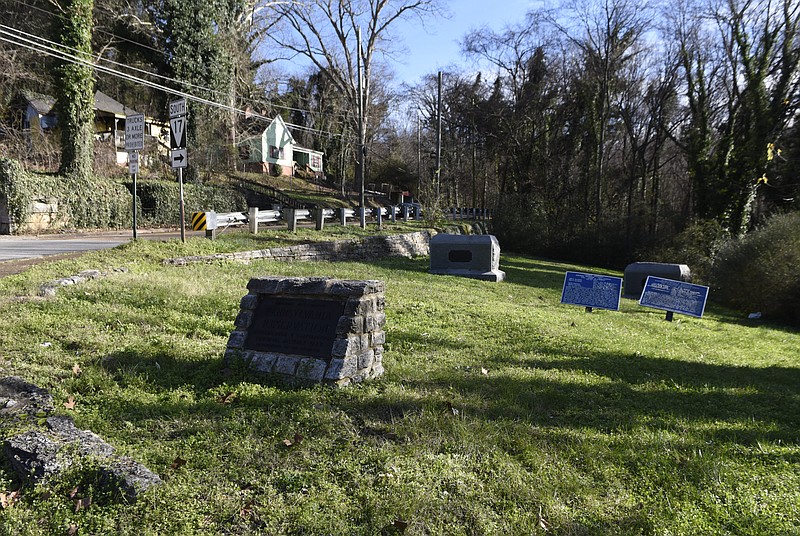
(17, 266)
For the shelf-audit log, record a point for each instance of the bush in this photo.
(696, 246)
(760, 272)
(92, 203)
(160, 200)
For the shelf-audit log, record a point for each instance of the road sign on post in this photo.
(133, 162)
(177, 108)
(177, 132)
(178, 156)
(134, 132)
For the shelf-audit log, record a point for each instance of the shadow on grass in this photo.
(580, 388)
(608, 391)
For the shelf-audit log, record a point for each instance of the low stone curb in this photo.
(54, 444)
(50, 288)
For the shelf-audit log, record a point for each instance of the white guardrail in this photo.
(211, 221)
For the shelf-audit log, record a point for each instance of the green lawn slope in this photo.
(501, 410)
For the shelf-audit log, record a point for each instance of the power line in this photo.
(62, 54)
(339, 115)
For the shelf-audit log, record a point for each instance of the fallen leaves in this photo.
(543, 524)
(400, 525)
(7, 500)
(76, 370)
(452, 409)
(227, 398)
(296, 440)
(80, 502)
(177, 463)
(70, 403)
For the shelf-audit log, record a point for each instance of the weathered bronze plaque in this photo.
(294, 326)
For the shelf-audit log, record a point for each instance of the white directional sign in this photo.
(177, 132)
(178, 158)
(133, 162)
(177, 108)
(134, 132)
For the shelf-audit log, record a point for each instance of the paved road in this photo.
(13, 248)
(20, 252)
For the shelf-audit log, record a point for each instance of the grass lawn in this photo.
(501, 410)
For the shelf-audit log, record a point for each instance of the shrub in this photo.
(91, 203)
(695, 246)
(160, 200)
(760, 272)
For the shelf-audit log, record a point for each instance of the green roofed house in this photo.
(275, 151)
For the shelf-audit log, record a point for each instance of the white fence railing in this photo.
(211, 221)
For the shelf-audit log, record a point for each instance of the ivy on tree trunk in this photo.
(75, 88)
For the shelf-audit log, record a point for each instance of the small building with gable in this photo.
(275, 151)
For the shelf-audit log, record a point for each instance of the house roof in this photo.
(43, 104)
(104, 103)
(307, 150)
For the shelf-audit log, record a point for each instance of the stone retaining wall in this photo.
(406, 245)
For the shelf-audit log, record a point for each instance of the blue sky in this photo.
(436, 46)
(423, 50)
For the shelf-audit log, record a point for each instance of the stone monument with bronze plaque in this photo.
(312, 329)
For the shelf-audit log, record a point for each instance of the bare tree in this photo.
(325, 33)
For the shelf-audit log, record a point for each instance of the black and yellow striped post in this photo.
(205, 221)
(198, 221)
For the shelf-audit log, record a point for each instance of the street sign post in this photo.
(134, 142)
(133, 162)
(134, 132)
(177, 108)
(178, 155)
(177, 132)
(178, 158)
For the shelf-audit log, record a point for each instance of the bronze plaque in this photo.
(294, 326)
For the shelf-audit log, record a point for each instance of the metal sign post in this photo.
(133, 169)
(134, 142)
(178, 154)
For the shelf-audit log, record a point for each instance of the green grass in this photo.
(501, 410)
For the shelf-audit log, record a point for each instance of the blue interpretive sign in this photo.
(674, 296)
(592, 290)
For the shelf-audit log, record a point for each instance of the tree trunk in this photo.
(75, 89)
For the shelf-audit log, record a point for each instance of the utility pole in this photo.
(419, 155)
(474, 185)
(361, 134)
(439, 138)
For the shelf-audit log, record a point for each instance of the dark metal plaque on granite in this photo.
(294, 326)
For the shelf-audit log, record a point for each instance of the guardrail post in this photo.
(252, 219)
(362, 217)
(393, 212)
(343, 216)
(291, 219)
(319, 216)
(379, 217)
(416, 212)
(405, 212)
(211, 225)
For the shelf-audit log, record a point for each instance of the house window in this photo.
(316, 161)
(275, 152)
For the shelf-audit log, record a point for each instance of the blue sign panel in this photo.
(674, 296)
(592, 290)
